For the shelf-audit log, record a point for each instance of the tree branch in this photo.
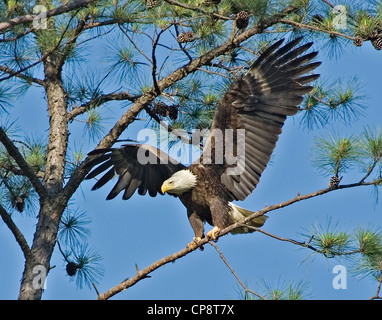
(298, 243)
(377, 296)
(76, 111)
(177, 255)
(16, 232)
(12, 73)
(24, 166)
(302, 244)
(234, 273)
(306, 26)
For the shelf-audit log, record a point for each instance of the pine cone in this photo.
(374, 34)
(358, 42)
(151, 3)
(334, 182)
(160, 108)
(188, 36)
(71, 268)
(377, 42)
(18, 202)
(242, 19)
(173, 112)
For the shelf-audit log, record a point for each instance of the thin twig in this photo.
(95, 288)
(302, 244)
(370, 170)
(306, 26)
(234, 273)
(214, 73)
(97, 101)
(21, 76)
(134, 44)
(377, 296)
(20, 239)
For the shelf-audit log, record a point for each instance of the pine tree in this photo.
(102, 65)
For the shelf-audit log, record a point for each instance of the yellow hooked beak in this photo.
(164, 187)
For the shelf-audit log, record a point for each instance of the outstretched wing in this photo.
(259, 103)
(138, 166)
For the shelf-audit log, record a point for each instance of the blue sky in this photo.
(143, 229)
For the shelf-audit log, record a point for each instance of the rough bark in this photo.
(52, 207)
(37, 265)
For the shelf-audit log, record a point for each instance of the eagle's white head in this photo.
(180, 182)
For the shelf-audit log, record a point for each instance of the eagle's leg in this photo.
(197, 226)
(212, 234)
(221, 216)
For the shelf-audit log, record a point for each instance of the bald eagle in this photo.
(254, 109)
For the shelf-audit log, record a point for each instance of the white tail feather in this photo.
(238, 214)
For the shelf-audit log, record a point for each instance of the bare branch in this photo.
(9, 167)
(12, 73)
(177, 255)
(99, 101)
(302, 244)
(16, 232)
(377, 296)
(18, 36)
(234, 273)
(294, 200)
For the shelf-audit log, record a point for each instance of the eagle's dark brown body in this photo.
(257, 104)
(207, 202)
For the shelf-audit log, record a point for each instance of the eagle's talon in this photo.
(212, 234)
(195, 243)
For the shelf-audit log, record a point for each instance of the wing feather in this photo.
(260, 102)
(132, 172)
(104, 179)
